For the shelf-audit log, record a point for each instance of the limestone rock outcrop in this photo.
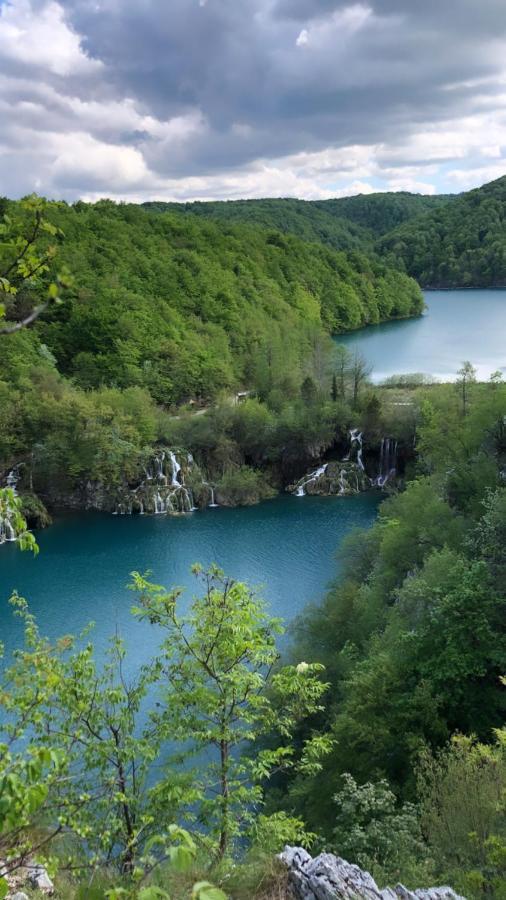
(328, 877)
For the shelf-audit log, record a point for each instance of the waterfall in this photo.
(161, 488)
(212, 504)
(159, 460)
(356, 441)
(176, 468)
(7, 532)
(12, 479)
(300, 489)
(388, 462)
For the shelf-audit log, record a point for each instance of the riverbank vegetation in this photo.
(398, 762)
(413, 642)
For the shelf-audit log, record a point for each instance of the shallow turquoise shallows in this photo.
(286, 545)
(457, 326)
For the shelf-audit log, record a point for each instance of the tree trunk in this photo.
(224, 835)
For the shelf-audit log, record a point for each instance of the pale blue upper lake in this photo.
(457, 326)
(287, 545)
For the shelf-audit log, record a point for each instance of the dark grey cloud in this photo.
(196, 89)
(239, 63)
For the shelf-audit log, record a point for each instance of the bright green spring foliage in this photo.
(221, 690)
(12, 518)
(463, 812)
(412, 637)
(86, 782)
(32, 772)
(373, 829)
(183, 307)
(28, 283)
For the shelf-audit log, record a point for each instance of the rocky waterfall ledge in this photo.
(349, 475)
(328, 877)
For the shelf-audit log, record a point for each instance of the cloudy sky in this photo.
(204, 99)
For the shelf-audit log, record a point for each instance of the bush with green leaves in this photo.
(378, 833)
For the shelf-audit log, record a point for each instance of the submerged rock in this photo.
(328, 877)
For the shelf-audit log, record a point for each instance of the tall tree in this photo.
(466, 376)
(360, 371)
(221, 691)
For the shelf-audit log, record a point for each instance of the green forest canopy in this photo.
(442, 240)
(184, 308)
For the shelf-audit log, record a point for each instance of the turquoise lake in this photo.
(286, 546)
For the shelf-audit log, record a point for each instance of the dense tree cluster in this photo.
(302, 218)
(346, 223)
(441, 240)
(183, 308)
(460, 244)
(163, 309)
(380, 213)
(414, 646)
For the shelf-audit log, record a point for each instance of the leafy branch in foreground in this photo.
(13, 523)
(28, 246)
(221, 691)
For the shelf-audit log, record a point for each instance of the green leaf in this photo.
(4, 888)
(152, 893)
(204, 890)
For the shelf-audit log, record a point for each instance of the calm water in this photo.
(458, 325)
(286, 545)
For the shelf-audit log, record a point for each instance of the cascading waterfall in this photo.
(176, 468)
(356, 444)
(341, 478)
(300, 490)
(163, 489)
(388, 462)
(12, 479)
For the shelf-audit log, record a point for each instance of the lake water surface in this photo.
(285, 546)
(457, 326)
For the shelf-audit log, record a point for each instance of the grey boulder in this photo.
(328, 877)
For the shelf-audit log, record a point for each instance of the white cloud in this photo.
(339, 26)
(41, 38)
(80, 158)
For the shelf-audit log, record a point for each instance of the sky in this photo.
(221, 99)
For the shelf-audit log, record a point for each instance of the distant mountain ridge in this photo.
(460, 244)
(442, 240)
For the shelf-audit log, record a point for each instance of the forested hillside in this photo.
(461, 244)
(441, 241)
(412, 638)
(380, 213)
(305, 219)
(186, 308)
(346, 223)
